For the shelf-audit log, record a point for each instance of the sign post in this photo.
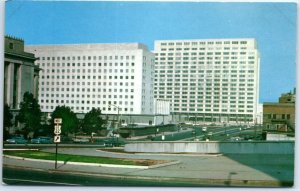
(57, 132)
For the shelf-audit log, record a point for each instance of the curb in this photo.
(163, 154)
(164, 164)
(20, 149)
(95, 164)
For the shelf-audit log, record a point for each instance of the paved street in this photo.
(236, 170)
(189, 133)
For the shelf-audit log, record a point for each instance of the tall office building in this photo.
(213, 80)
(117, 78)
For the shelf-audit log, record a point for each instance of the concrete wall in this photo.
(263, 147)
(279, 137)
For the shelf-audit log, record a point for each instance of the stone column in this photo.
(9, 72)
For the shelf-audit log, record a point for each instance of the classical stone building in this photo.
(20, 73)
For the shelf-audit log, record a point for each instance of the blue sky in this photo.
(272, 24)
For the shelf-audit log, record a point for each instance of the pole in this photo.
(118, 118)
(56, 156)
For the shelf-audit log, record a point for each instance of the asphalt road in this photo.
(217, 133)
(21, 176)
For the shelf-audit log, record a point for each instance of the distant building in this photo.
(209, 80)
(280, 116)
(20, 73)
(288, 97)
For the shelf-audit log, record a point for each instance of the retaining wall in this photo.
(257, 147)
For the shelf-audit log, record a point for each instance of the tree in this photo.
(92, 121)
(6, 121)
(7, 117)
(69, 119)
(30, 113)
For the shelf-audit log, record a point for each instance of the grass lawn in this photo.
(80, 158)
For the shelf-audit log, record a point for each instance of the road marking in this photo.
(36, 181)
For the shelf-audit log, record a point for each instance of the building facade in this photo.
(215, 80)
(280, 116)
(117, 78)
(20, 73)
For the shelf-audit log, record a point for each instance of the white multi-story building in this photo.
(213, 80)
(117, 78)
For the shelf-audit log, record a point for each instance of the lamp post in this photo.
(224, 124)
(161, 108)
(118, 116)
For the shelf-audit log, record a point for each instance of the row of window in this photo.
(78, 77)
(198, 86)
(209, 102)
(206, 58)
(207, 63)
(212, 106)
(209, 48)
(120, 103)
(115, 57)
(80, 83)
(195, 43)
(85, 109)
(199, 91)
(88, 96)
(183, 94)
(212, 110)
(207, 76)
(47, 71)
(204, 67)
(116, 64)
(91, 90)
(207, 95)
(167, 90)
(227, 100)
(213, 90)
(205, 71)
(217, 81)
(278, 116)
(162, 54)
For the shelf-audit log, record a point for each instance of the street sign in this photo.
(57, 129)
(58, 120)
(57, 132)
(57, 139)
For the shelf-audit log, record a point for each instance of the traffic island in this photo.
(87, 160)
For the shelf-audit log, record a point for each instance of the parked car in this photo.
(42, 140)
(80, 140)
(112, 143)
(209, 133)
(16, 140)
(204, 129)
